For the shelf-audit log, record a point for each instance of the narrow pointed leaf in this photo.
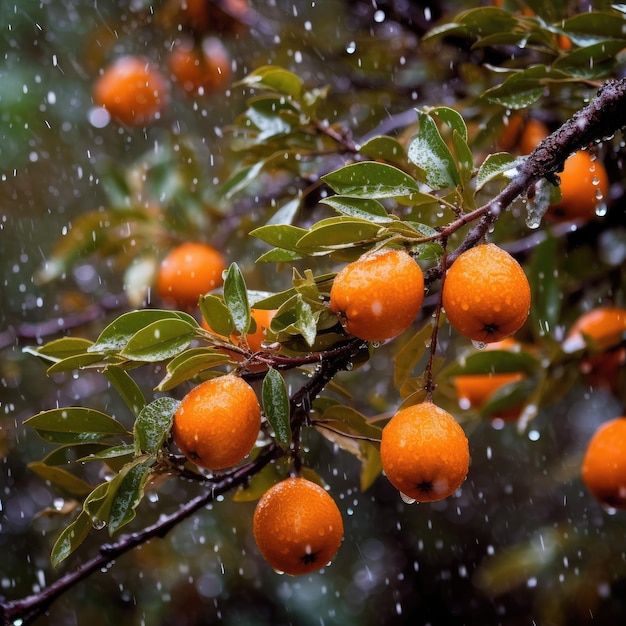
(70, 538)
(276, 407)
(236, 298)
(127, 388)
(160, 340)
(128, 495)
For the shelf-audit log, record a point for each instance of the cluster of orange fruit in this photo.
(424, 450)
(584, 182)
(135, 91)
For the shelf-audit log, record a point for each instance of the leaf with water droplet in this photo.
(276, 407)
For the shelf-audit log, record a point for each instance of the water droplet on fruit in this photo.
(479, 345)
(407, 499)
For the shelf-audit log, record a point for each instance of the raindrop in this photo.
(98, 524)
(601, 208)
(58, 503)
(407, 499)
(351, 47)
(479, 345)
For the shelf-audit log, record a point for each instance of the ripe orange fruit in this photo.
(200, 70)
(203, 15)
(584, 184)
(532, 135)
(297, 526)
(604, 464)
(511, 131)
(188, 271)
(378, 296)
(424, 452)
(131, 90)
(217, 422)
(606, 328)
(486, 294)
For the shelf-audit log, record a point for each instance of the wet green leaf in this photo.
(75, 425)
(276, 407)
(190, 363)
(410, 354)
(217, 315)
(372, 180)
(282, 236)
(236, 298)
(128, 494)
(71, 537)
(429, 152)
(545, 288)
(495, 166)
(338, 232)
(114, 452)
(153, 425)
(160, 340)
(594, 61)
(75, 362)
(61, 479)
(119, 332)
(126, 387)
(64, 347)
(384, 148)
(493, 362)
(276, 79)
(361, 208)
(278, 255)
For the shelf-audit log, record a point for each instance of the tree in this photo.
(424, 180)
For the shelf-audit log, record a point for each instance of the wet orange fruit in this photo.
(217, 422)
(378, 296)
(424, 452)
(200, 69)
(131, 90)
(188, 271)
(604, 464)
(486, 294)
(263, 319)
(584, 185)
(475, 390)
(297, 526)
(533, 133)
(604, 329)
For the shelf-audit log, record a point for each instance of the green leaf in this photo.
(493, 362)
(217, 315)
(160, 340)
(592, 61)
(278, 255)
(361, 208)
(495, 166)
(61, 479)
(75, 362)
(593, 27)
(305, 321)
(153, 425)
(119, 332)
(545, 288)
(190, 363)
(410, 355)
(372, 180)
(75, 425)
(128, 494)
(70, 538)
(287, 212)
(339, 232)
(127, 388)
(276, 79)
(522, 89)
(276, 407)
(452, 118)
(429, 152)
(114, 452)
(282, 236)
(65, 347)
(236, 298)
(384, 148)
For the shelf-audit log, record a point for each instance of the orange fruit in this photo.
(584, 184)
(424, 452)
(189, 270)
(131, 90)
(604, 464)
(297, 526)
(533, 133)
(218, 422)
(205, 15)
(606, 328)
(486, 294)
(263, 319)
(200, 70)
(378, 296)
(475, 390)
(511, 131)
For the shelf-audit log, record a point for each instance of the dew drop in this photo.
(601, 209)
(479, 345)
(407, 499)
